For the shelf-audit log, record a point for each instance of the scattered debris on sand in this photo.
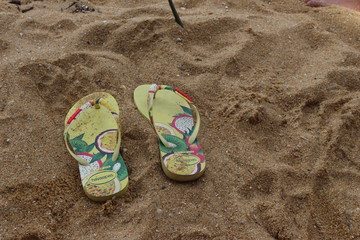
(77, 7)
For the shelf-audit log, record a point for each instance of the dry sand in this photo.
(277, 84)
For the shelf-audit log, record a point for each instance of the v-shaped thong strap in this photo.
(154, 88)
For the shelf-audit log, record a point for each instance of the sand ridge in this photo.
(277, 86)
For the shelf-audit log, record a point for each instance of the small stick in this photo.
(72, 4)
(176, 15)
(26, 10)
(17, 2)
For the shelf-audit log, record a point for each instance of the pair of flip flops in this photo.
(92, 136)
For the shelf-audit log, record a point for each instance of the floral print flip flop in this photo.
(170, 112)
(92, 136)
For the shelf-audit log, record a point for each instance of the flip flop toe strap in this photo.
(154, 88)
(97, 103)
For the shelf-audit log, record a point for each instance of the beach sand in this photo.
(277, 84)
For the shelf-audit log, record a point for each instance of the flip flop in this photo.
(171, 115)
(92, 137)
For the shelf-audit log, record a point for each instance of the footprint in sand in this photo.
(353, 4)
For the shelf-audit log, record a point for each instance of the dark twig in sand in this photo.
(176, 15)
(72, 4)
(27, 9)
(16, 2)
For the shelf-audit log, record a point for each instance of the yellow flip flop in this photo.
(92, 136)
(170, 112)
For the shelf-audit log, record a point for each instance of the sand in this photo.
(277, 84)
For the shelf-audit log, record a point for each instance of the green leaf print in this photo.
(80, 137)
(186, 110)
(109, 156)
(109, 165)
(78, 145)
(90, 147)
(97, 156)
(180, 144)
(169, 88)
(122, 173)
